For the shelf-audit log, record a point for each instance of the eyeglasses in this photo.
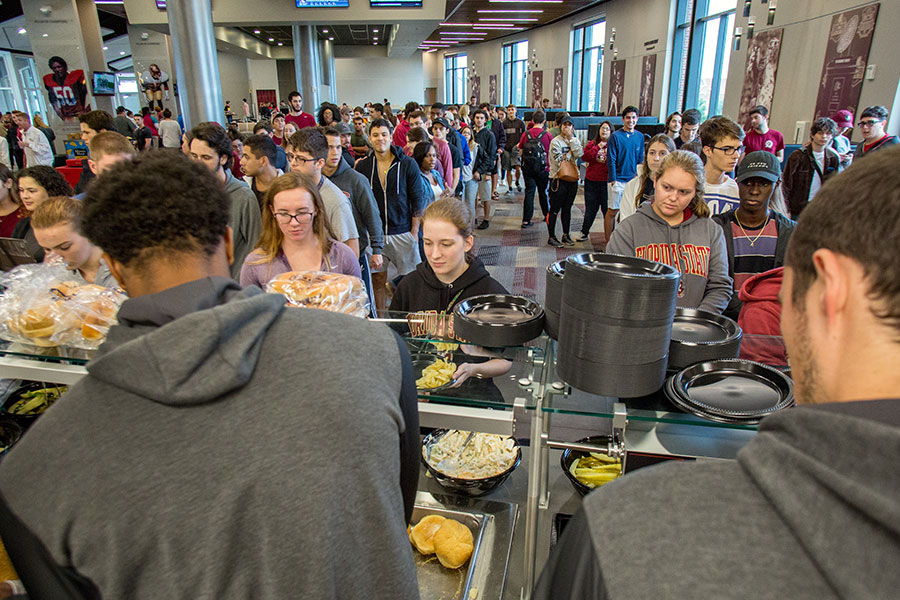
(730, 150)
(292, 157)
(302, 218)
(870, 123)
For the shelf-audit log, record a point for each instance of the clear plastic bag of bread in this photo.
(42, 305)
(320, 289)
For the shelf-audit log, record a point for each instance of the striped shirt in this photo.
(722, 197)
(753, 254)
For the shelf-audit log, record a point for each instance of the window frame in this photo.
(577, 99)
(454, 94)
(510, 67)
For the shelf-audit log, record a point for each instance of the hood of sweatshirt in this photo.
(191, 344)
(342, 166)
(827, 471)
(763, 286)
(232, 183)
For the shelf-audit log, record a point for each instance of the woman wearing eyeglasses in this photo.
(296, 235)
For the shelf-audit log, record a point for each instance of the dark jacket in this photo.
(885, 142)
(403, 199)
(784, 227)
(23, 231)
(499, 131)
(798, 175)
(806, 512)
(421, 290)
(487, 151)
(87, 176)
(365, 210)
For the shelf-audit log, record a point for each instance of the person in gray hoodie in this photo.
(211, 146)
(676, 230)
(810, 510)
(214, 450)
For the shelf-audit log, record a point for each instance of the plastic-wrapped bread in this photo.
(320, 289)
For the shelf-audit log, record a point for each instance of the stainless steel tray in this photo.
(484, 576)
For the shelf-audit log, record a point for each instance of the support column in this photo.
(327, 65)
(195, 61)
(67, 30)
(306, 65)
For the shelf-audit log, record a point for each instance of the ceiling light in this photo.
(45, 35)
(507, 12)
(488, 25)
(331, 38)
(256, 31)
(375, 30)
(456, 24)
(122, 53)
(499, 28)
(271, 39)
(281, 43)
(462, 32)
(508, 19)
(432, 50)
(22, 31)
(106, 47)
(324, 31)
(526, 1)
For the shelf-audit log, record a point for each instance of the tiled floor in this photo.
(517, 257)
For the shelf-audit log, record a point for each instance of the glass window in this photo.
(515, 73)
(587, 66)
(32, 91)
(7, 93)
(702, 46)
(455, 75)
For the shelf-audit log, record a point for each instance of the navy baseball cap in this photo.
(758, 164)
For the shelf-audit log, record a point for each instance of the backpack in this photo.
(534, 157)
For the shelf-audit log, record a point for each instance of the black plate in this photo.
(731, 389)
(420, 361)
(622, 266)
(498, 320)
(468, 487)
(699, 335)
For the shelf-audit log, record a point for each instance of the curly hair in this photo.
(215, 136)
(48, 178)
(126, 216)
(335, 114)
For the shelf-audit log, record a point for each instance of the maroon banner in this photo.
(845, 60)
(762, 64)
(558, 88)
(492, 89)
(648, 79)
(616, 87)
(537, 87)
(266, 97)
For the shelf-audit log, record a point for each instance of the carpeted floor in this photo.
(517, 257)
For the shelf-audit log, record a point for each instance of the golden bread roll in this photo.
(421, 535)
(37, 322)
(453, 543)
(101, 315)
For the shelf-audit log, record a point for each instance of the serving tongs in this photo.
(451, 462)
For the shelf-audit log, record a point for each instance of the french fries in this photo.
(595, 469)
(436, 374)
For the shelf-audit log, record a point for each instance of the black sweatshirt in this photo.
(421, 290)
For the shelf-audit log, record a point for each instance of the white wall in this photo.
(263, 75)
(366, 74)
(235, 79)
(806, 26)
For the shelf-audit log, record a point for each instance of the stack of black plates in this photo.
(699, 335)
(730, 390)
(555, 274)
(615, 324)
(498, 320)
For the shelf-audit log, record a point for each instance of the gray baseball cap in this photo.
(758, 164)
(343, 128)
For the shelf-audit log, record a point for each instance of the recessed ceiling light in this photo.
(256, 31)
(456, 24)
(22, 31)
(331, 38)
(526, 1)
(122, 53)
(508, 19)
(324, 31)
(281, 43)
(510, 11)
(271, 39)
(106, 47)
(375, 30)
(45, 35)
(476, 33)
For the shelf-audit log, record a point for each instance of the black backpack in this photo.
(534, 157)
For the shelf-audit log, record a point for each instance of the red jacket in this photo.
(400, 133)
(595, 159)
(761, 315)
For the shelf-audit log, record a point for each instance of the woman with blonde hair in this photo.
(464, 115)
(642, 188)
(57, 227)
(296, 235)
(675, 229)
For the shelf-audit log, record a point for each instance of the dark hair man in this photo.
(871, 125)
(624, 152)
(307, 150)
(258, 165)
(396, 184)
(454, 138)
(362, 201)
(200, 445)
(376, 111)
(403, 125)
(761, 137)
(808, 168)
(721, 140)
(359, 140)
(756, 237)
(690, 123)
(264, 128)
(211, 146)
(33, 141)
(535, 167)
(91, 123)
(485, 164)
(123, 124)
(807, 487)
(510, 160)
(296, 115)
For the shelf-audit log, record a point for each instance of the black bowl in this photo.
(10, 433)
(569, 456)
(467, 487)
(24, 420)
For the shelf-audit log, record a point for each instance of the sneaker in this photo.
(566, 240)
(518, 188)
(554, 242)
(484, 224)
(526, 224)
(584, 238)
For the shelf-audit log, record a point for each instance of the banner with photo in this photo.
(558, 88)
(648, 79)
(537, 87)
(616, 87)
(476, 88)
(762, 64)
(492, 89)
(846, 56)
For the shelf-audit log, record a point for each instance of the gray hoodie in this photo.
(695, 247)
(245, 220)
(217, 450)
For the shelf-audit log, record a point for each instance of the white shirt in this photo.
(170, 132)
(37, 151)
(4, 152)
(721, 197)
(816, 182)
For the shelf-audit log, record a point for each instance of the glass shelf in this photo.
(53, 354)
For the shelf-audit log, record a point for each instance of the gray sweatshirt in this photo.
(216, 449)
(245, 220)
(695, 247)
(362, 200)
(808, 511)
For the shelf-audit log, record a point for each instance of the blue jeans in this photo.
(534, 182)
(470, 190)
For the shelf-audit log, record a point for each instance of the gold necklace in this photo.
(746, 235)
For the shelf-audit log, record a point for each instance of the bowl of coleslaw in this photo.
(472, 469)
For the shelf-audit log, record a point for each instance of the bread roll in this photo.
(421, 535)
(453, 543)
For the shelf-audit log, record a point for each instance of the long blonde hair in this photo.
(454, 211)
(271, 239)
(659, 138)
(689, 163)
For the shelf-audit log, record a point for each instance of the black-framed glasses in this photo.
(730, 150)
(870, 123)
(285, 218)
(292, 157)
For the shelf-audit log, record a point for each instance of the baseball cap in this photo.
(566, 119)
(843, 118)
(441, 121)
(758, 164)
(343, 128)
